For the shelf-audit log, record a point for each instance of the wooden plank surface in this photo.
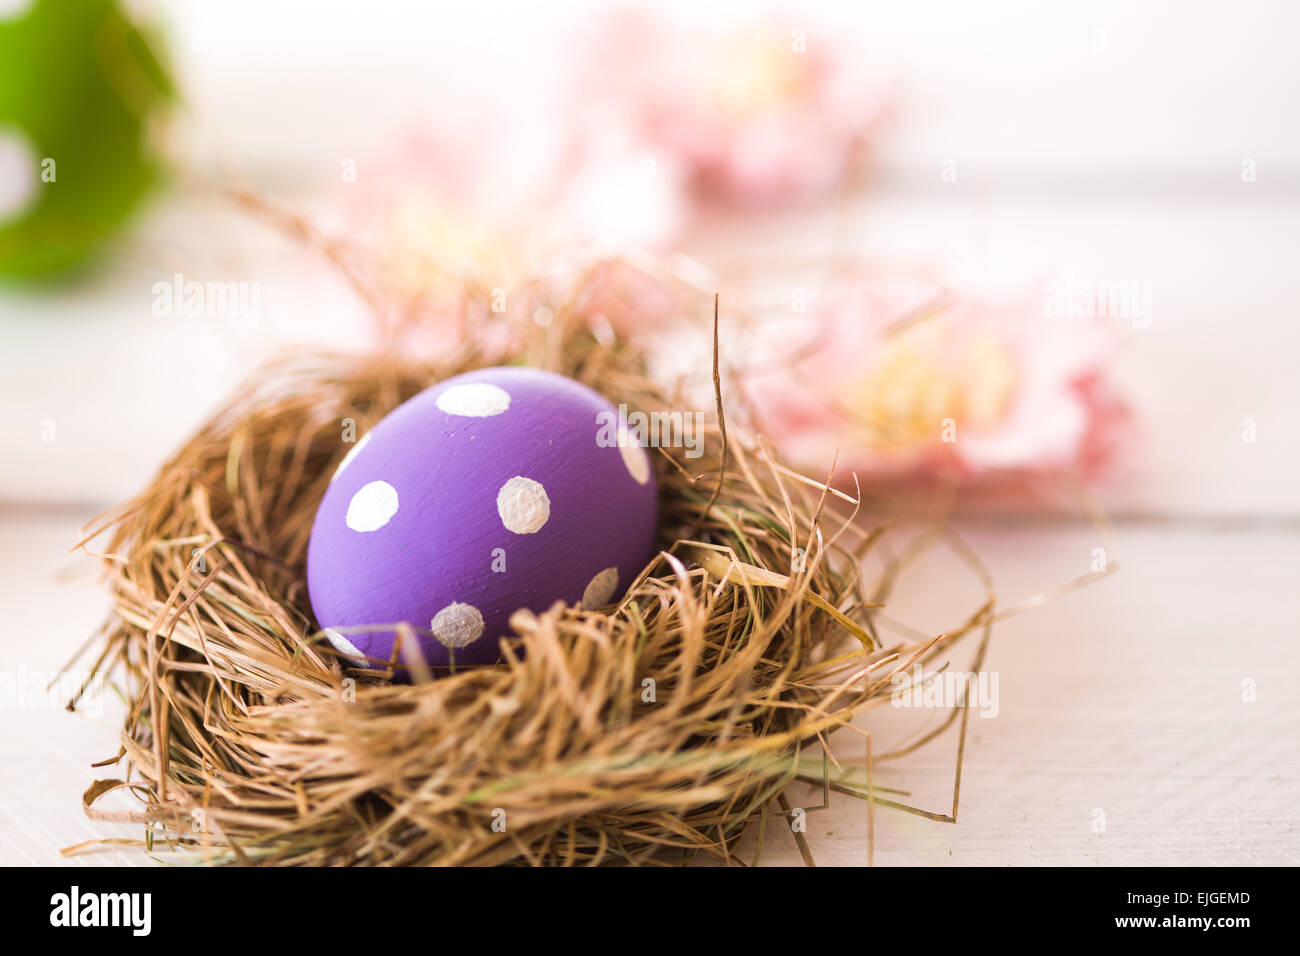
(1125, 698)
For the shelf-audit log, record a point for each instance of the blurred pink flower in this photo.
(904, 378)
(757, 118)
(613, 154)
(642, 297)
(456, 200)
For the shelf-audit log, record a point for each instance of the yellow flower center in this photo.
(926, 374)
(755, 74)
(428, 246)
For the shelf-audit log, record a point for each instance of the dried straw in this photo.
(659, 729)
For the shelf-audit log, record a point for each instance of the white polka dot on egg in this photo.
(344, 646)
(635, 459)
(457, 624)
(600, 589)
(372, 507)
(523, 505)
(474, 400)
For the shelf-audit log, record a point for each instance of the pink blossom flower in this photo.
(757, 118)
(903, 377)
(456, 201)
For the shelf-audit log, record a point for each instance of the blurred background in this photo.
(1003, 152)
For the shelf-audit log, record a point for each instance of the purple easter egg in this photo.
(499, 489)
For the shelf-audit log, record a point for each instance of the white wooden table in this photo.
(1103, 138)
(1124, 698)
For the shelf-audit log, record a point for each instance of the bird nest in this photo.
(663, 728)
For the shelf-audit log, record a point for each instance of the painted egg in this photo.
(499, 489)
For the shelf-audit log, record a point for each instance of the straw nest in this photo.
(664, 727)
